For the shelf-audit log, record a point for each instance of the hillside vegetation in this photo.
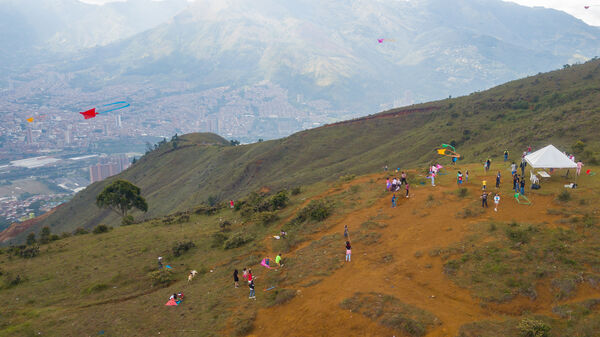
(426, 268)
(559, 107)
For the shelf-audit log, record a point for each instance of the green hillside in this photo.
(559, 107)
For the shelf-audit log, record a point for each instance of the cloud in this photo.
(576, 8)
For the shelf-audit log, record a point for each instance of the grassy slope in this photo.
(400, 254)
(559, 107)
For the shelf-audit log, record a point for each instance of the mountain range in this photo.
(323, 56)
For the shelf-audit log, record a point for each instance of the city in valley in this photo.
(49, 152)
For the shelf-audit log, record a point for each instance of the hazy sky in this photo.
(574, 7)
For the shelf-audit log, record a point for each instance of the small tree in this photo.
(45, 235)
(30, 239)
(121, 196)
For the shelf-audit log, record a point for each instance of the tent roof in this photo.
(549, 157)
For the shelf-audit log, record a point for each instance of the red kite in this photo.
(91, 113)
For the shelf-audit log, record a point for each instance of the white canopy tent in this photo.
(549, 157)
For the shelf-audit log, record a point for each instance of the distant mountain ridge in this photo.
(323, 57)
(559, 107)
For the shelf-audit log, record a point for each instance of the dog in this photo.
(192, 275)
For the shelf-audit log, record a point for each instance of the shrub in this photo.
(207, 210)
(348, 177)
(564, 196)
(462, 192)
(65, 235)
(30, 239)
(280, 200)
(237, 240)
(45, 235)
(26, 252)
(296, 190)
(80, 231)
(54, 237)
(100, 229)
(162, 277)
(317, 210)
(533, 328)
(518, 235)
(127, 220)
(212, 200)
(265, 218)
(218, 239)
(181, 247)
(95, 288)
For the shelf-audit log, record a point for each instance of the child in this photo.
(466, 176)
(235, 278)
(496, 202)
(251, 286)
(278, 260)
(394, 201)
(348, 251)
(459, 178)
(484, 185)
(245, 274)
(388, 184)
(505, 155)
(407, 189)
(346, 234)
(249, 275)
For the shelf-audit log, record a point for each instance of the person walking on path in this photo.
(388, 184)
(459, 178)
(496, 202)
(466, 176)
(407, 189)
(484, 185)
(579, 166)
(513, 168)
(403, 178)
(498, 180)
(432, 176)
(235, 278)
(394, 201)
(348, 251)
(484, 197)
(522, 185)
(278, 260)
(505, 155)
(346, 234)
(516, 182)
(522, 166)
(160, 262)
(487, 165)
(251, 286)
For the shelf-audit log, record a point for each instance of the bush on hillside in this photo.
(564, 196)
(182, 247)
(316, 210)
(206, 210)
(218, 239)
(80, 231)
(127, 220)
(65, 235)
(100, 229)
(279, 200)
(237, 240)
(162, 277)
(533, 328)
(30, 239)
(45, 235)
(265, 218)
(54, 237)
(280, 296)
(26, 252)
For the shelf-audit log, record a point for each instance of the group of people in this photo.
(248, 277)
(395, 185)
